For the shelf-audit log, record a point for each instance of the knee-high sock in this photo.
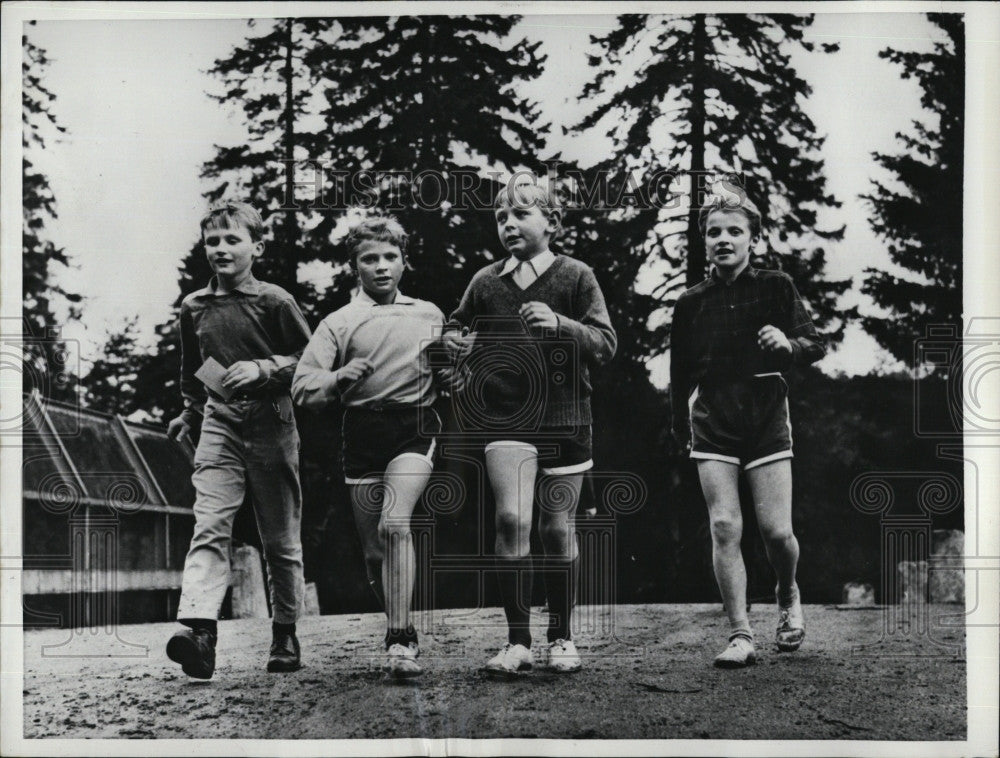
(561, 581)
(515, 578)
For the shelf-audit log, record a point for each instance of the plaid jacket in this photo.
(714, 333)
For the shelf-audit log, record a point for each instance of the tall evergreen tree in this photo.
(268, 78)
(921, 222)
(47, 366)
(714, 94)
(432, 98)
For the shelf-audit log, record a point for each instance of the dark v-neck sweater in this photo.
(523, 378)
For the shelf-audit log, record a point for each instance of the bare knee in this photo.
(778, 537)
(555, 536)
(726, 532)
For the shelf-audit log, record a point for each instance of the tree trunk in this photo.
(291, 226)
(696, 261)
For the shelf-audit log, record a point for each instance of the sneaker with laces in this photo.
(738, 654)
(401, 661)
(510, 661)
(194, 649)
(791, 625)
(563, 657)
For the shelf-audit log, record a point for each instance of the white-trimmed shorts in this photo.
(560, 449)
(374, 437)
(741, 421)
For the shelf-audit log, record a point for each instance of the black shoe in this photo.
(194, 649)
(285, 654)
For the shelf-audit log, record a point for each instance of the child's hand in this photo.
(178, 428)
(773, 339)
(539, 315)
(241, 374)
(458, 344)
(454, 379)
(357, 368)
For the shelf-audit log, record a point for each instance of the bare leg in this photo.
(719, 483)
(405, 479)
(771, 485)
(512, 469)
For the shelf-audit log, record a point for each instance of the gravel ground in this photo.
(646, 675)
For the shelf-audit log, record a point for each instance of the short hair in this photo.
(731, 202)
(376, 229)
(229, 214)
(526, 190)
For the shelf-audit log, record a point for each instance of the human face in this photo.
(727, 241)
(524, 229)
(380, 266)
(231, 252)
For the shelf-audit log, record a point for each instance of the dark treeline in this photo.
(710, 94)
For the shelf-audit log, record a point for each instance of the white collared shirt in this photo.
(526, 272)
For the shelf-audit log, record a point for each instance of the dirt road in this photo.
(647, 674)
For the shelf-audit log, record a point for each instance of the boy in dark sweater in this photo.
(540, 323)
(253, 333)
(732, 337)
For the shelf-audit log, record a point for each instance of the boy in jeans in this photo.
(733, 336)
(252, 334)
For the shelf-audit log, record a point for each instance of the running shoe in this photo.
(563, 657)
(791, 625)
(510, 661)
(738, 654)
(401, 661)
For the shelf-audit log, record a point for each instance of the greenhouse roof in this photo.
(76, 456)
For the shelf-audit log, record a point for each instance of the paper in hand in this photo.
(210, 374)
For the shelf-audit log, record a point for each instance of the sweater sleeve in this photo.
(463, 315)
(807, 345)
(277, 370)
(592, 332)
(314, 384)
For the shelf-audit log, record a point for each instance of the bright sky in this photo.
(132, 95)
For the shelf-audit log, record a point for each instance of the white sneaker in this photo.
(738, 654)
(563, 657)
(510, 661)
(401, 661)
(791, 626)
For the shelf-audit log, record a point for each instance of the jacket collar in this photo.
(249, 286)
(748, 273)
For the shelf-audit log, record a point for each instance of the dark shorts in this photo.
(744, 422)
(372, 438)
(560, 449)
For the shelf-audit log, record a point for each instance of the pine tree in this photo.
(714, 95)
(111, 383)
(269, 78)
(48, 362)
(921, 223)
(438, 95)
